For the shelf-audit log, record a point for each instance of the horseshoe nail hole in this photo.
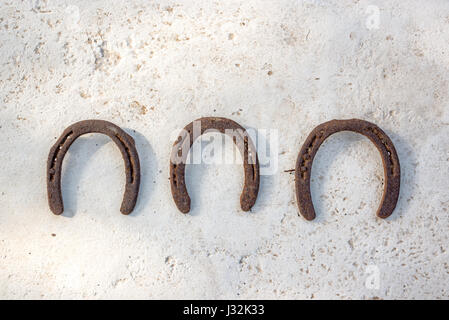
(60, 146)
(321, 134)
(379, 135)
(174, 176)
(306, 157)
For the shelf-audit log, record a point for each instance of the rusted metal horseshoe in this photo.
(382, 142)
(123, 141)
(185, 141)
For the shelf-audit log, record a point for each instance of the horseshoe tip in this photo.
(185, 210)
(57, 211)
(127, 207)
(125, 212)
(383, 215)
(309, 217)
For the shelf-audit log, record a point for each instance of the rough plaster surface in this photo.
(284, 65)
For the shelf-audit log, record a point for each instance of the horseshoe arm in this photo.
(382, 142)
(185, 141)
(123, 141)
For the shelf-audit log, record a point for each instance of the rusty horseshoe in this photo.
(123, 141)
(390, 160)
(185, 141)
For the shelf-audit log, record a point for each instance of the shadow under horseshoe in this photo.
(148, 170)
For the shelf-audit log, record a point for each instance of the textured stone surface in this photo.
(284, 65)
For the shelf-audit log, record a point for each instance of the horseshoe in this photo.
(185, 141)
(390, 160)
(123, 141)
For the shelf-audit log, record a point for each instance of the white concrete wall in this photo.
(281, 65)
